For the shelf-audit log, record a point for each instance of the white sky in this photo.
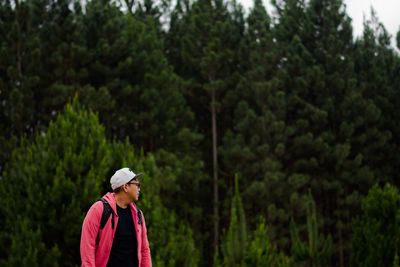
(388, 12)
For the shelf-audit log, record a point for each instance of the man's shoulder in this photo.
(106, 200)
(96, 208)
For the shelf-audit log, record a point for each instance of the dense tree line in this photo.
(194, 94)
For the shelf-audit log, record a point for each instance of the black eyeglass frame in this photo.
(135, 183)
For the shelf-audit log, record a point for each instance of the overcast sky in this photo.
(388, 12)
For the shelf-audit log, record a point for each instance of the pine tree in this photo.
(398, 39)
(62, 172)
(353, 121)
(41, 64)
(326, 138)
(62, 54)
(376, 232)
(235, 242)
(396, 261)
(261, 252)
(375, 66)
(47, 186)
(258, 146)
(201, 46)
(128, 62)
(171, 239)
(257, 106)
(242, 249)
(316, 251)
(18, 57)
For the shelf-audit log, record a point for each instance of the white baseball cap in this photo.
(121, 177)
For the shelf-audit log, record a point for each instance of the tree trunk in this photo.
(215, 170)
(19, 41)
(341, 254)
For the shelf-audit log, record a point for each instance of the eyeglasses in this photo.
(136, 183)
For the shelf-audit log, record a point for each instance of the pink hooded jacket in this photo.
(96, 244)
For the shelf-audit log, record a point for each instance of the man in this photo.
(123, 240)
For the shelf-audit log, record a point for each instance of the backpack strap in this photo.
(107, 211)
(139, 214)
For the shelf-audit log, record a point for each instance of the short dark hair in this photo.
(117, 190)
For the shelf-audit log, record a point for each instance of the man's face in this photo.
(134, 189)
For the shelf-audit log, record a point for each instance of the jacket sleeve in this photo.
(146, 257)
(90, 228)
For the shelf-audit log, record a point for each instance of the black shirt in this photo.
(124, 247)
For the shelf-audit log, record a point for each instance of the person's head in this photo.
(125, 182)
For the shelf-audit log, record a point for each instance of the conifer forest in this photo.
(265, 138)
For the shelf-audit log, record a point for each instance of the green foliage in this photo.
(235, 242)
(180, 182)
(376, 232)
(398, 39)
(240, 248)
(261, 252)
(58, 176)
(147, 103)
(201, 47)
(17, 48)
(317, 250)
(171, 240)
(47, 185)
(306, 123)
(299, 103)
(146, 96)
(27, 247)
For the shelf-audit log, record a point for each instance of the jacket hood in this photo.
(111, 200)
(110, 197)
